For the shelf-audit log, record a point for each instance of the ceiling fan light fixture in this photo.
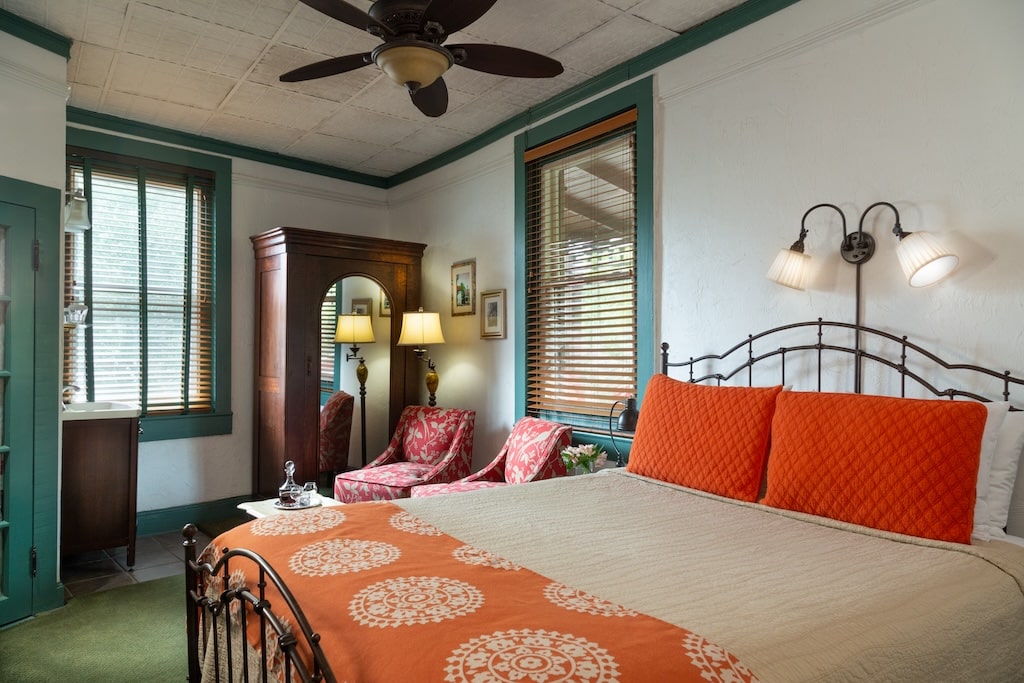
(416, 65)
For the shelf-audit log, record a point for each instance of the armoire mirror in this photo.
(295, 268)
(339, 374)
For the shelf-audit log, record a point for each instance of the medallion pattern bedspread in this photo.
(396, 599)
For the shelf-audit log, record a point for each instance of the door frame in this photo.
(44, 204)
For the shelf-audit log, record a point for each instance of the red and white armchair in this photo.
(533, 451)
(430, 445)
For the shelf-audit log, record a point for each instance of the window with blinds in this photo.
(146, 272)
(581, 262)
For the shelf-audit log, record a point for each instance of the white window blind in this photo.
(328, 325)
(581, 273)
(145, 270)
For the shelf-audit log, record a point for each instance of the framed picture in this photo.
(362, 306)
(385, 305)
(492, 318)
(464, 287)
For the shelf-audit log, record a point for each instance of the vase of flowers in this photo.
(583, 458)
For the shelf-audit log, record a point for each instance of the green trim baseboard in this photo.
(166, 520)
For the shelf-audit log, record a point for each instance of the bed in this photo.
(814, 536)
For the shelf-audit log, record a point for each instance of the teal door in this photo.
(17, 296)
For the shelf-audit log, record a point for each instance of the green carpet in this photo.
(122, 635)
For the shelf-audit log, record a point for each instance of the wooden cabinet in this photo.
(99, 483)
(294, 270)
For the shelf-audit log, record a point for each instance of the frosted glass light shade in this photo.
(790, 268)
(924, 260)
(353, 329)
(414, 66)
(76, 213)
(420, 329)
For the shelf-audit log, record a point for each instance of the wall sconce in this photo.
(923, 259)
(354, 330)
(420, 329)
(76, 213)
(626, 423)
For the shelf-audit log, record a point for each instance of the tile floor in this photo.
(155, 557)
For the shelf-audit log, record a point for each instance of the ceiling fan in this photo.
(412, 53)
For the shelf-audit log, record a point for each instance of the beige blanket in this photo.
(794, 598)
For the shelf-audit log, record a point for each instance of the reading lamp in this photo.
(354, 330)
(420, 329)
(626, 423)
(76, 213)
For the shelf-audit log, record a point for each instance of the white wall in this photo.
(912, 102)
(32, 133)
(185, 471)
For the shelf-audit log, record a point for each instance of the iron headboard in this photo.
(864, 336)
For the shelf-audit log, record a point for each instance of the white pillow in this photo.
(1016, 540)
(989, 439)
(1003, 476)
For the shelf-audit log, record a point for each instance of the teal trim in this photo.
(150, 522)
(45, 203)
(162, 427)
(639, 94)
(213, 146)
(199, 424)
(35, 34)
(697, 37)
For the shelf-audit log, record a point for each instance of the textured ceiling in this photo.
(211, 67)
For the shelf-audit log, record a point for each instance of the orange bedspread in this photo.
(397, 600)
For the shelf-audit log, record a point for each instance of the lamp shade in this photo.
(924, 260)
(420, 329)
(353, 329)
(790, 268)
(414, 66)
(76, 213)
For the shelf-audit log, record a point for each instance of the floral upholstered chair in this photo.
(335, 432)
(430, 445)
(532, 452)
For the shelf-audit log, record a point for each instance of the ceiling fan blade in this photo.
(505, 61)
(346, 13)
(455, 15)
(432, 100)
(328, 67)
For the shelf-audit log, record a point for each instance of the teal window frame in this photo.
(219, 421)
(638, 95)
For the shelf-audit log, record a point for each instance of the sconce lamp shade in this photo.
(923, 258)
(354, 329)
(790, 268)
(415, 66)
(420, 329)
(76, 213)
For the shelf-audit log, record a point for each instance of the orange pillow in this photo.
(898, 464)
(709, 438)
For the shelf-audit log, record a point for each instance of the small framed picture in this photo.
(492, 318)
(464, 287)
(362, 306)
(385, 305)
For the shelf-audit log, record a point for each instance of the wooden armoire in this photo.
(294, 270)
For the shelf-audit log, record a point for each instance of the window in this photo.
(584, 231)
(581, 273)
(148, 272)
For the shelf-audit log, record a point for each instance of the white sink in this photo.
(99, 410)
